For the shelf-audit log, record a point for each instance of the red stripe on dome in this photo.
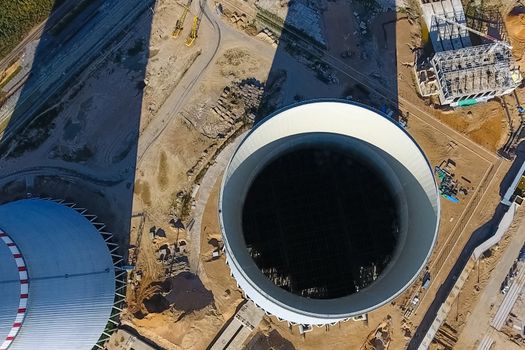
(22, 274)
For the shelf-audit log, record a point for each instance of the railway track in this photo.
(71, 62)
(36, 33)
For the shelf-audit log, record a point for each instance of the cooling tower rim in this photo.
(270, 298)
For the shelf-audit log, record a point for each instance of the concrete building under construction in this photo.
(472, 61)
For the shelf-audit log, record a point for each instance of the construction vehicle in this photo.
(194, 29)
(180, 22)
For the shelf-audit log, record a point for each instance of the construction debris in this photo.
(380, 338)
(448, 186)
(446, 336)
(267, 35)
(239, 101)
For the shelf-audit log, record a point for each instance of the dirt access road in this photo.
(179, 97)
(478, 323)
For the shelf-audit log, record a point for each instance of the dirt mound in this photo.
(515, 23)
(272, 341)
(188, 293)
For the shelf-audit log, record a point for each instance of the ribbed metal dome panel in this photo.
(71, 277)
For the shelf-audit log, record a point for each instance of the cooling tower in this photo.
(57, 278)
(328, 210)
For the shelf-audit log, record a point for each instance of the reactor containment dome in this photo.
(328, 210)
(57, 278)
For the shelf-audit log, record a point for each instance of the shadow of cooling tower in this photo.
(332, 49)
(74, 128)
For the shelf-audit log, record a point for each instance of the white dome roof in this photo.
(71, 278)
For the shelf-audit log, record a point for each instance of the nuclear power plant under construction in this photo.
(328, 210)
(58, 277)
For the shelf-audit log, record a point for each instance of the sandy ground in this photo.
(163, 173)
(173, 147)
(166, 170)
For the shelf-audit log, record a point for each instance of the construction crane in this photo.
(180, 22)
(477, 32)
(194, 29)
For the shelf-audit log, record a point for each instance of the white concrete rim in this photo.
(303, 119)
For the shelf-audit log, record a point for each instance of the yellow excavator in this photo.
(194, 29)
(180, 22)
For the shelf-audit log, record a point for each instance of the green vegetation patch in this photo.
(18, 17)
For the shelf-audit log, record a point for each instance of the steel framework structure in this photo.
(475, 73)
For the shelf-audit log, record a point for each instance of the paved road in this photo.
(444, 290)
(479, 319)
(477, 324)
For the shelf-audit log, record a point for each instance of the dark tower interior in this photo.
(320, 222)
